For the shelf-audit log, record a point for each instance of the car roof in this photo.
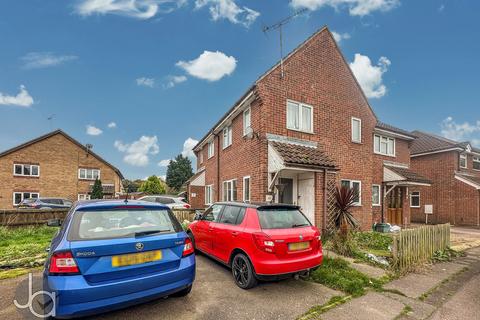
(50, 198)
(162, 195)
(112, 204)
(259, 205)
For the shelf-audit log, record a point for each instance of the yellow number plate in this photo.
(298, 246)
(136, 258)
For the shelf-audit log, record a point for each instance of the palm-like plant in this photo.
(345, 200)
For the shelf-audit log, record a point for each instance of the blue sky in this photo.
(164, 71)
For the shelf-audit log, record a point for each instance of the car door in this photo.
(203, 228)
(226, 232)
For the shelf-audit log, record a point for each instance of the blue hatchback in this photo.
(114, 254)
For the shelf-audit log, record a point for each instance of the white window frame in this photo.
(208, 194)
(416, 195)
(247, 114)
(300, 116)
(200, 156)
(359, 130)
(229, 190)
(379, 195)
(23, 165)
(227, 137)
(249, 189)
(476, 160)
(379, 151)
(463, 157)
(83, 196)
(210, 149)
(86, 175)
(23, 196)
(359, 203)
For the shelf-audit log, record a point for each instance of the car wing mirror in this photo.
(54, 222)
(198, 215)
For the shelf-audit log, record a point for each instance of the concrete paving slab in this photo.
(372, 306)
(371, 271)
(420, 310)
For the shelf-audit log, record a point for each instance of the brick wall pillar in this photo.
(319, 199)
(406, 207)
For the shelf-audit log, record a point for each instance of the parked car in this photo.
(45, 203)
(170, 201)
(113, 254)
(258, 242)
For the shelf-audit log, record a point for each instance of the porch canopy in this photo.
(403, 177)
(471, 180)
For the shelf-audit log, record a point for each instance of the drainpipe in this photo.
(478, 209)
(382, 195)
(218, 165)
(324, 222)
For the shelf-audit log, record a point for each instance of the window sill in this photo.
(376, 205)
(23, 176)
(301, 131)
(385, 155)
(415, 207)
(85, 179)
(357, 142)
(223, 148)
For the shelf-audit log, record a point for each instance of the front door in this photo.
(306, 198)
(395, 206)
(285, 192)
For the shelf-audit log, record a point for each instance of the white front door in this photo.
(306, 197)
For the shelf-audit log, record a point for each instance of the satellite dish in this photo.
(249, 133)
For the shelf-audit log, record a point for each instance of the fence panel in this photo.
(414, 246)
(185, 214)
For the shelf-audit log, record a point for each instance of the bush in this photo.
(372, 240)
(344, 245)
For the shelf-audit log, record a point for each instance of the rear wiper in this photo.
(300, 225)
(149, 232)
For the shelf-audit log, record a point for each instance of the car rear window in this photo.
(281, 218)
(111, 224)
(165, 200)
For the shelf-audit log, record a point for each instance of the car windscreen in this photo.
(30, 200)
(111, 224)
(281, 218)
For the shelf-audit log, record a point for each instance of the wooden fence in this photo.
(414, 246)
(24, 217)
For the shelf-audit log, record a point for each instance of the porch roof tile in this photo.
(303, 156)
(474, 179)
(409, 175)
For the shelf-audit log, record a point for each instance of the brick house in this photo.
(454, 168)
(295, 135)
(54, 165)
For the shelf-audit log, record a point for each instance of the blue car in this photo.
(113, 254)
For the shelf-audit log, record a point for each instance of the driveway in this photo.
(214, 296)
(463, 238)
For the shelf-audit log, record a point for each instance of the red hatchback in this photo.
(259, 242)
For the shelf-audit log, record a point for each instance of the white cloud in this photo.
(146, 82)
(228, 9)
(22, 99)
(355, 7)
(460, 131)
(137, 153)
(164, 163)
(112, 125)
(140, 9)
(174, 80)
(37, 60)
(163, 177)
(188, 146)
(93, 131)
(441, 8)
(211, 66)
(340, 36)
(370, 76)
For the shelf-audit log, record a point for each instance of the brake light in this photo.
(188, 248)
(186, 206)
(63, 262)
(264, 242)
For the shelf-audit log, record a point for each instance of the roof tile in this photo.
(297, 155)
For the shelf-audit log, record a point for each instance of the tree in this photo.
(178, 172)
(97, 190)
(345, 200)
(131, 185)
(153, 185)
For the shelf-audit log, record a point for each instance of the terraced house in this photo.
(454, 167)
(54, 165)
(303, 128)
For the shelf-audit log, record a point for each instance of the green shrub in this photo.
(372, 240)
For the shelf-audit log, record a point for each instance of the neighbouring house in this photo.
(54, 165)
(454, 168)
(302, 129)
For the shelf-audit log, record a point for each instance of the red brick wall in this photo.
(197, 201)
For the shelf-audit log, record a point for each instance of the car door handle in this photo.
(234, 233)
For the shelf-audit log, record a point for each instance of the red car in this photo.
(258, 242)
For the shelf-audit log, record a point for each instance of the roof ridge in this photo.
(436, 136)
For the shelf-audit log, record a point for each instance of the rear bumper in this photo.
(77, 298)
(273, 266)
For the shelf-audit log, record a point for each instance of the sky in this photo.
(144, 80)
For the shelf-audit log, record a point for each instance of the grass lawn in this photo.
(23, 247)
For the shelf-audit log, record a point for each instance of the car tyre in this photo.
(243, 273)
(183, 292)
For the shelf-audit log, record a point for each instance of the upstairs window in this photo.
(384, 145)
(26, 170)
(299, 117)
(357, 187)
(246, 121)
(463, 161)
(227, 136)
(211, 149)
(476, 163)
(230, 190)
(88, 174)
(415, 199)
(200, 156)
(356, 130)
